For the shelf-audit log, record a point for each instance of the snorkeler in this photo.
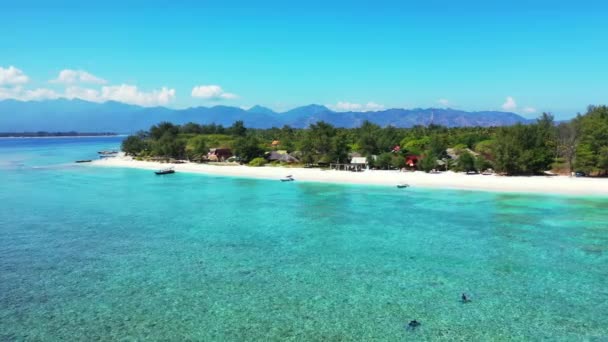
(464, 298)
(413, 325)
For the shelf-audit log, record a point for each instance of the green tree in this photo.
(486, 148)
(238, 129)
(133, 145)
(196, 147)
(384, 161)
(398, 161)
(466, 162)
(287, 136)
(339, 151)
(482, 164)
(593, 141)
(415, 146)
(388, 138)
(164, 128)
(169, 146)
(317, 143)
(247, 148)
(368, 140)
(258, 161)
(525, 149)
(191, 128)
(428, 162)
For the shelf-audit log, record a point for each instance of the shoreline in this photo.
(67, 136)
(557, 185)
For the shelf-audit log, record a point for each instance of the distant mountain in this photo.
(309, 110)
(261, 110)
(83, 116)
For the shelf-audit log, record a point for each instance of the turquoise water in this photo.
(93, 253)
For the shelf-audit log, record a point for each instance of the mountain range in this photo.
(84, 116)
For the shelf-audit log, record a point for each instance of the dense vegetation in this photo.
(523, 149)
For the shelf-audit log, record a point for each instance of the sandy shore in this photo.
(446, 180)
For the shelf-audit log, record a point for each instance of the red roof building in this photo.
(412, 161)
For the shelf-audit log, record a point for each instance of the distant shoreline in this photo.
(557, 185)
(59, 135)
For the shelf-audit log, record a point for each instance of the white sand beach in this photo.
(445, 180)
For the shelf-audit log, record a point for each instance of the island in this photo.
(540, 157)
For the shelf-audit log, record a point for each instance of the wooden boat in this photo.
(107, 152)
(402, 186)
(84, 161)
(164, 171)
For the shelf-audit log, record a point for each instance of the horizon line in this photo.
(246, 109)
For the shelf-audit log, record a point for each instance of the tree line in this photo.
(580, 144)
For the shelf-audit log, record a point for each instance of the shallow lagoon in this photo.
(96, 253)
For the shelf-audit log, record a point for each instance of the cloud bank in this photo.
(69, 76)
(12, 81)
(12, 76)
(125, 93)
(444, 102)
(211, 92)
(509, 104)
(343, 106)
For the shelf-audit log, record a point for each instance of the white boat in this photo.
(165, 171)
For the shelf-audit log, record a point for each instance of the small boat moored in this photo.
(288, 179)
(84, 161)
(106, 153)
(402, 186)
(165, 171)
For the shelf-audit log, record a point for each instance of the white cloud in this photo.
(444, 102)
(19, 93)
(12, 76)
(9, 93)
(40, 94)
(123, 93)
(69, 76)
(212, 92)
(529, 110)
(12, 79)
(509, 104)
(120, 93)
(86, 94)
(130, 94)
(343, 106)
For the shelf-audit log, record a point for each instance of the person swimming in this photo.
(413, 325)
(464, 298)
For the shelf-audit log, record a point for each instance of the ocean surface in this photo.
(91, 253)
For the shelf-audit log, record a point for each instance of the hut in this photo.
(411, 161)
(356, 164)
(281, 156)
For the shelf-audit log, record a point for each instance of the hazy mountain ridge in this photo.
(79, 115)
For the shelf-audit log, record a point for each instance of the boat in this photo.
(402, 186)
(165, 171)
(107, 152)
(288, 179)
(84, 161)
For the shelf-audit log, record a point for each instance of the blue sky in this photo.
(472, 55)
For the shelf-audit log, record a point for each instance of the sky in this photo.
(527, 57)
